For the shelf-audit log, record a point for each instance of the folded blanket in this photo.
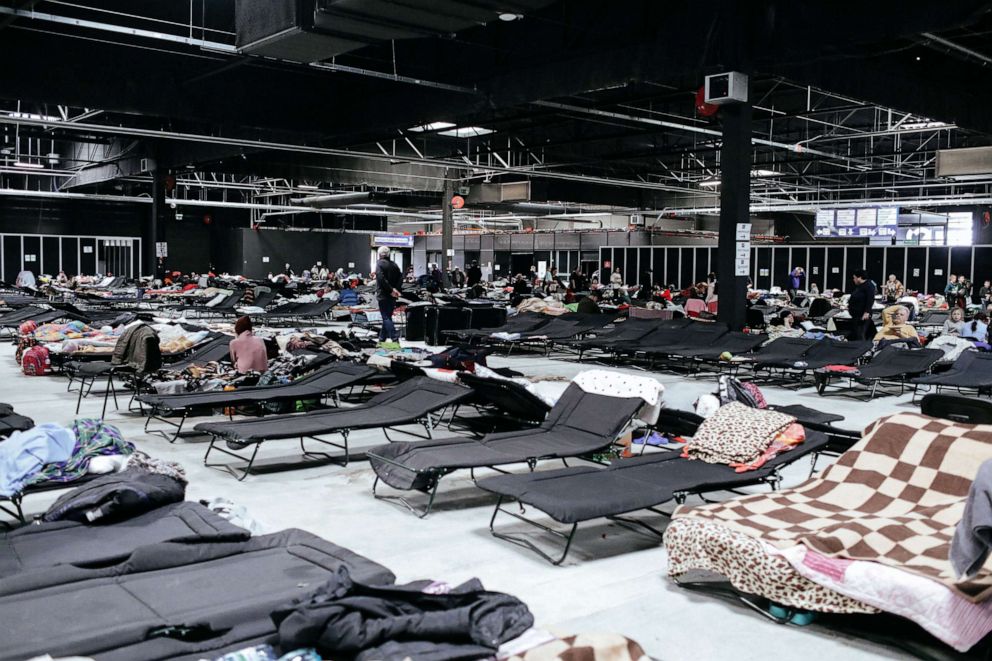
(736, 434)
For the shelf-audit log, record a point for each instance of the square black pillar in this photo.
(735, 201)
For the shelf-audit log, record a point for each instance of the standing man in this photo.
(388, 281)
(860, 305)
(474, 274)
(796, 277)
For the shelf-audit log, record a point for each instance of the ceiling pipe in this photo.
(981, 57)
(440, 164)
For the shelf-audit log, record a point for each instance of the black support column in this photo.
(735, 200)
(155, 230)
(447, 226)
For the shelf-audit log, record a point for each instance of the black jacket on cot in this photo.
(862, 299)
(387, 278)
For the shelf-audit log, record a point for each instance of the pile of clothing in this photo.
(52, 453)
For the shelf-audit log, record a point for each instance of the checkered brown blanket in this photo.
(894, 498)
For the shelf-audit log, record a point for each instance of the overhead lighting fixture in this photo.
(433, 126)
(31, 166)
(765, 173)
(509, 16)
(28, 115)
(308, 187)
(710, 183)
(917, 126)
(467, 132)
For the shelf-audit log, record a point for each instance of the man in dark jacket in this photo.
(590, 304)
(474, 274)
(860, 305)
(388, 281)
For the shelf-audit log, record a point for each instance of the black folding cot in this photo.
(971, 371)
(968, 410)
(508, 397)
(170, 600)
(891, 364)
(580, 424)
(412, 402)
(578, 494)
(325, 380)
(33, 547)
(796, 357)
(521, 323)
(626, 331)
(11, 422)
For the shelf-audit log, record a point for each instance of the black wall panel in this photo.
(798, 257)
(87, 256)
(619, 261)
(11, 258)
(835, 269)
(502, 259)
(658, 259)
(687, 269)
(874, 264)
(895, 263)
(645, 257)
(32, 254)
(937, 272)
(855, 261)
(961, 261)
(816, 268)
(70, 255)
(916, 269)
(983, 266)
(50, 255)
(672, 267)
(764, 260)
(522, 242)
(189, 248)
(781, 267)
(703, 267)
(632, 269)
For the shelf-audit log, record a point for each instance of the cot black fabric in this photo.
(171, 599)
(582, 493)
(783, 352)
(323, 380)
(971, 370)
(580, 423)
(896, 362)
(508, 396)
(68, 542)
(406, 403)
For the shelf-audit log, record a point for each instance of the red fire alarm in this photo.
(457, 202)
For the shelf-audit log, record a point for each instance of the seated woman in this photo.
(977, 329)
(895, 329)
(783, 325)
(954, 324)
(247, 351)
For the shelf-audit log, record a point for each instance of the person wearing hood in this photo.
(894, 326)
(247, 351)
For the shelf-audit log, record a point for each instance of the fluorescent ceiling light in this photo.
(26, 115)
(765, 173)
(433, 126)
(509, 16)
(307, 186)
(466, 132)
(25, 164)
(916, 126)
(710, 183)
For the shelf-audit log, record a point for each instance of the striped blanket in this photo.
(894, 498)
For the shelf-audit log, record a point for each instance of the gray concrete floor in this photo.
(614, 579)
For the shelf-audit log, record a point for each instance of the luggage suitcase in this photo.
(444, 319)
(416, 323)
(35, 361)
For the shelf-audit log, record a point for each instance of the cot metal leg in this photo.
(631, 523)
(179, 427)
(421, 513)
(17, 512)
(227, 467)
(526, 543)
(343, 461)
